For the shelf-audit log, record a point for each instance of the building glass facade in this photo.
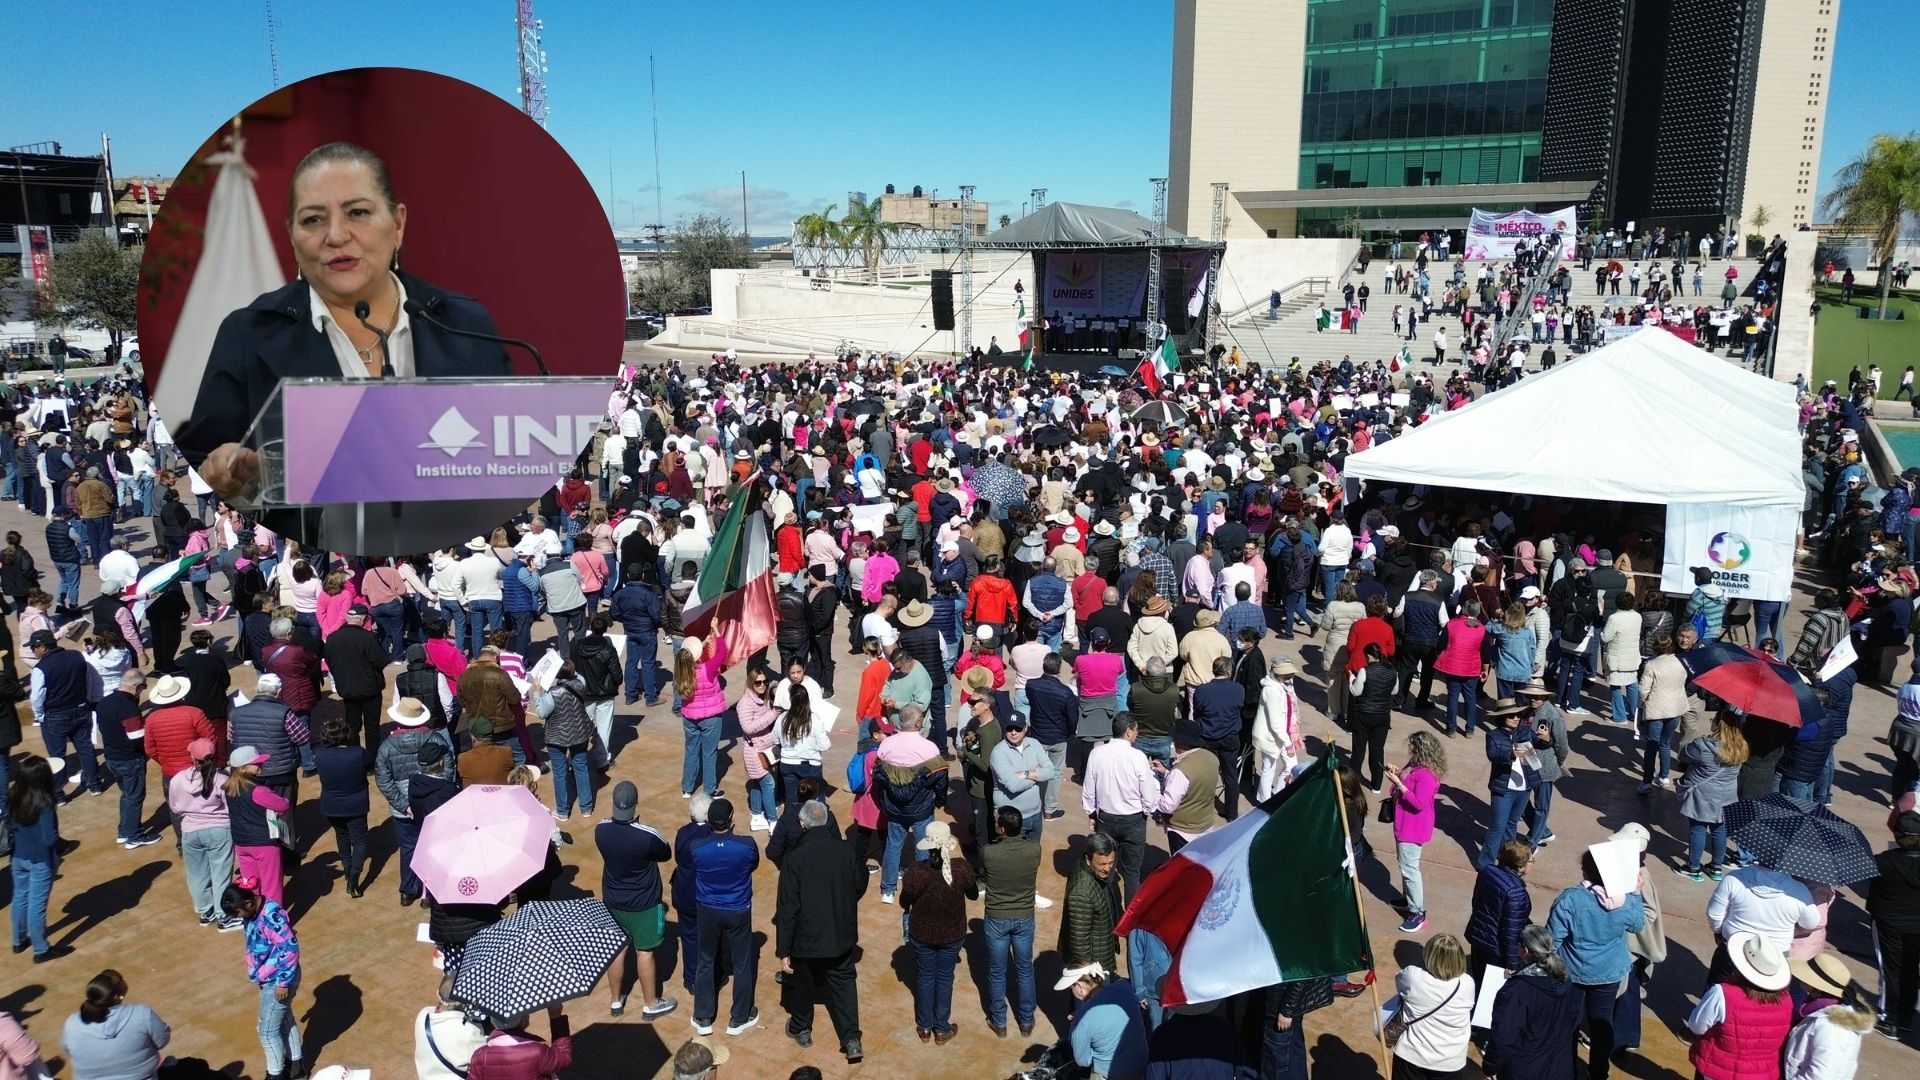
(1424, 93)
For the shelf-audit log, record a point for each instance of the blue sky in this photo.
(810, 100)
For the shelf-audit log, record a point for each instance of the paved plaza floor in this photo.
(366, 976)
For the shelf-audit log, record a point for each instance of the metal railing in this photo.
(1522, 316)
(1309, 286)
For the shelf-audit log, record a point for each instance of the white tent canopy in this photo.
(1647, 419)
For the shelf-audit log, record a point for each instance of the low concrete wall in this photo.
(1254, 267)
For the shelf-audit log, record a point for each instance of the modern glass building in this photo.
(1422, 93)
(1343, 117)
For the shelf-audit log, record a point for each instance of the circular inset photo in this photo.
(381, 311)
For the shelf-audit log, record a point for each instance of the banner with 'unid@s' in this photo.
(1493, 236)
(1748, 549)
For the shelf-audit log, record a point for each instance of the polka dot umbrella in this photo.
(1802, 839)
(483, 844)
(547, 952)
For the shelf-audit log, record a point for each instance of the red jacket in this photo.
(991, 599)
(1087, 590)
(1747, 1044)
(1368, 631)
(792, 548)
(170, 728)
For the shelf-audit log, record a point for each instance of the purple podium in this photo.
(473, 447)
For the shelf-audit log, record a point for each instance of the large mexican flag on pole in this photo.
(733, 596)
(1268, 898)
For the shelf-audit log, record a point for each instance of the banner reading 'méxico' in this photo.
(1492, 236)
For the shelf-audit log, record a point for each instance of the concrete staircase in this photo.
(1275, 342)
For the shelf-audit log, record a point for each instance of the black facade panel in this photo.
(1586, 97)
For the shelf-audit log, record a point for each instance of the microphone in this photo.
(417, 310)
(360, 310)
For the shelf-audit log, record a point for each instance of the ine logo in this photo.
(451, 434)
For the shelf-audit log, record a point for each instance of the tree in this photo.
(1761, 215)
(1005, 220)
(817, 229)
(862, 228)
(1875, 193)
(93, 284)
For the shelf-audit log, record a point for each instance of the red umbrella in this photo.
(1753, 682)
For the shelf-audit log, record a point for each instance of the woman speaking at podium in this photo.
(346, 316)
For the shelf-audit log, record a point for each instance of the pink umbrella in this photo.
(483, 844)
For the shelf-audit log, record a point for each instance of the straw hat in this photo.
(915, 614)
(408, 712)
(1824, 972)
(1207, 617)
(1156, 605)
(479, 543)
(168, 689)
(1759, 960)
(1149, 439)
(1506, 706)
(1534, 688)
(978, 679)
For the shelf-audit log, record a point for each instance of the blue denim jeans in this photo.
(1283, 1054)
(406, 833)
(1659, 736)
(1463, 696)
(790, 777)
(1536, 815)
(68, 592)
(32, 884)
(1697, 833)
(643, 675)
(896, 843)
(933, 993)
(1009, 938)
(391, 618)
(1573, 679)
(131, 775)
(1330, 576)
(1296, 606)
(1159, 747)
(456, 620)
(570, 780)
(1823, 786)
(1766, 618)
(701, 761)
(1505, 811)
(1626, 703)
(59, 727)
(521, 623)
(760, 798)
(483, 617)
(279, 1032)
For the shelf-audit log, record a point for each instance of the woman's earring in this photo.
(396, 259)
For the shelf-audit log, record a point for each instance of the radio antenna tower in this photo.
(533, 63)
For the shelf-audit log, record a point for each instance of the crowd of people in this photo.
(1045, 600)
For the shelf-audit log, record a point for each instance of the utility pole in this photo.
(652, 92)
(745, 235)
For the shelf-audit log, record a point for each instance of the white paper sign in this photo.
(1368, 401)
(1401, 399)
(1839, 658)
(547, 669)
(1342, 402)
(1619, 864)
(871, 520)
(1490, 984)
(1276, 406)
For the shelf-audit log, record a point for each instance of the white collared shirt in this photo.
(399, 339)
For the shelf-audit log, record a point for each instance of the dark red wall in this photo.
(495, 209)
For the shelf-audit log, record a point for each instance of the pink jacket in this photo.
(756, 725)
(331, 608)
(866, 812)
(19, 1054)
(1460, 657)
(709, 693)
(592, 568)
(1413, 807)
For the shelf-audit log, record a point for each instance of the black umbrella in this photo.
(864, 407)
(1164, 413)
(1802, 839)
(547, 952)
(1050, 437)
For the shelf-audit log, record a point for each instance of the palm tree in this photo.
(862, 228)
(817, 229)
(1876, 192)
(1006, 220)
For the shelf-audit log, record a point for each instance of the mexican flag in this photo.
(1157, 365)
(733, 596)
(1268, 898)
(163, 577)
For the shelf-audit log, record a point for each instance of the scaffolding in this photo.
(533, 63)
(1218, 235)
(1156, 323)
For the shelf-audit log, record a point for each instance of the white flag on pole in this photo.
(237, 263)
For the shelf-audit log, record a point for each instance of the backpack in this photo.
(857, 773)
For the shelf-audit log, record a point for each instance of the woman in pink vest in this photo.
(1741, 1025)
(1460, 664)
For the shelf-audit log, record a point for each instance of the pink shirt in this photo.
(1119, 780)
(1098, 673)
(1413, 807)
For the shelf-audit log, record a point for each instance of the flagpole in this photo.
(1359, 910)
